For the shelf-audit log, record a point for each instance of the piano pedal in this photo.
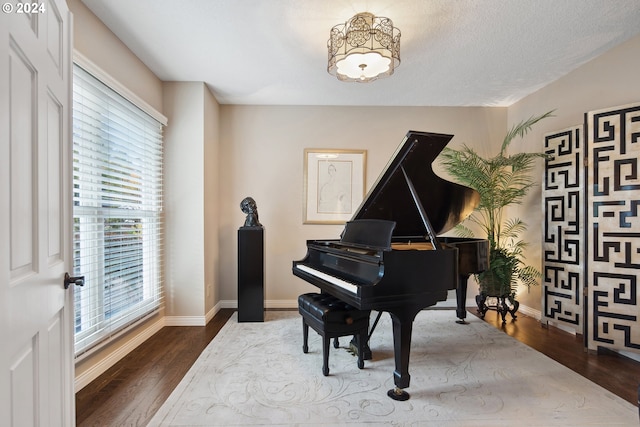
(398, 394)
(366, 351)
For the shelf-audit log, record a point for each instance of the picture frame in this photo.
(334, 184)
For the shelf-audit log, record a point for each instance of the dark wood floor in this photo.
(131, 392)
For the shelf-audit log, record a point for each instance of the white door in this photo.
(36, 335)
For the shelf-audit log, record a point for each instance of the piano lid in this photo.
(445, 203)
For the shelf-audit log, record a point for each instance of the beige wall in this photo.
(211, 196)
(184, 201)
(262, 156)
(97, 43)
(190, 183)
(607, 81)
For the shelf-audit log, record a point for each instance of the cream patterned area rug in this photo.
(255, 374)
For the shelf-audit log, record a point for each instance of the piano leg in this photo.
(402, 328)
(461, 299)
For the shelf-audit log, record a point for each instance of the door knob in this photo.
(68, 280)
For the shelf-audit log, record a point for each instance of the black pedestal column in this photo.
(251, 274)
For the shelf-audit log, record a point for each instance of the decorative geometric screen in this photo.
(613, 228)
(562, 242)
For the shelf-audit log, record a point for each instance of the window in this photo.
(117, 211)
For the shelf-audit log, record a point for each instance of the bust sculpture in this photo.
(249, 207)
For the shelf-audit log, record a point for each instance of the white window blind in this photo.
(117, 211)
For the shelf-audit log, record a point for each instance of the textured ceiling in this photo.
(454, 53)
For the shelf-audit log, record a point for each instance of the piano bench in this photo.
(332, 318)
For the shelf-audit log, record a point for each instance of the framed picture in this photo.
(334, 184)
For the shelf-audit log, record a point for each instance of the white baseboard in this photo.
(531, 312)
(193, 320)
(630, 355)
(101, 367)
(281, 303)
(449, 303)
(105, 363)
(212, 312)
(565, 328)
(272, 304)
(185, 321)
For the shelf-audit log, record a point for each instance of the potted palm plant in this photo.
(501, 180)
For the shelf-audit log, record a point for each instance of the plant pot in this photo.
(495, 283)
(497, 280)
(494, 286)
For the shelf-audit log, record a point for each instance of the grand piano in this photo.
(390, 257)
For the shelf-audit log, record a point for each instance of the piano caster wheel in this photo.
(398, 394)
(360, 364)
(462, 322)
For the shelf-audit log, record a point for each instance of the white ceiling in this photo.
(453, 52)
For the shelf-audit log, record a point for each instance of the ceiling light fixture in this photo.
(364, 48)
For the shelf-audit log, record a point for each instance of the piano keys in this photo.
(390, 257)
